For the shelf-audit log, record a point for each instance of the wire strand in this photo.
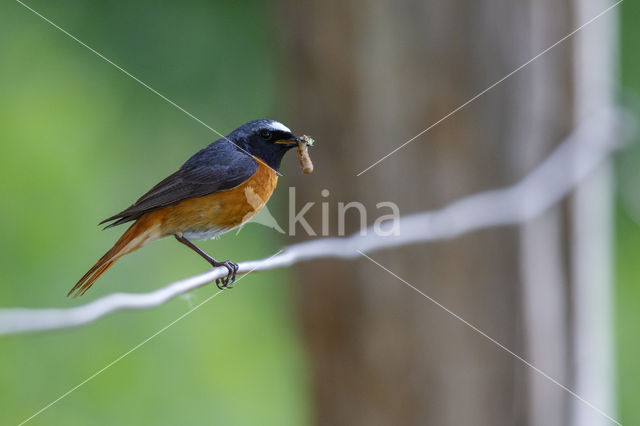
(591, 142)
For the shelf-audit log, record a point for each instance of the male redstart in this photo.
(206, 197)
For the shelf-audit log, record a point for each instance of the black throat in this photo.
(272, 155)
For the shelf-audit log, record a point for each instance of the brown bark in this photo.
(366, 77)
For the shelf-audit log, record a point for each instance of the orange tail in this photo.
(135, 237)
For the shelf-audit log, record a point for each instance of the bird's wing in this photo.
(215, 168)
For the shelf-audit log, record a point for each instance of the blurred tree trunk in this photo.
(365, 78)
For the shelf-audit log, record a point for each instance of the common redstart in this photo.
(206, 197)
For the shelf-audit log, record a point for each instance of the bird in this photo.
(213, 192)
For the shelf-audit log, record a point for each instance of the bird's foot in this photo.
(227, 281)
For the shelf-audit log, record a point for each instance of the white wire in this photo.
(546, 185)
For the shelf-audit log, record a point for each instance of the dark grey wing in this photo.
(216, 167)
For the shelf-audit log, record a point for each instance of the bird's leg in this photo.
(231, 267)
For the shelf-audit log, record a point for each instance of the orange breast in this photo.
(221, 211)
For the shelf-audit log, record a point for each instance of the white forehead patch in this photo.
(276, 125)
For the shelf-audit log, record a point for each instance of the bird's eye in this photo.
(265, 134)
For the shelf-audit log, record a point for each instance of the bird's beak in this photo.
(291, 141)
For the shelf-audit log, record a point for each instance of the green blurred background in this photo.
(79, 140)
(627, 234)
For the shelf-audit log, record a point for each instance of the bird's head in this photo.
(268, 140)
